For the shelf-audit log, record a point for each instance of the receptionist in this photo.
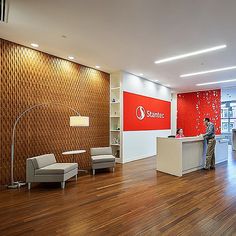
(179, 133)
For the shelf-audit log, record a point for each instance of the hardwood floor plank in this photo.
(135, 200)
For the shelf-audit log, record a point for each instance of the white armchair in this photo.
(102, 158)
(44, 168)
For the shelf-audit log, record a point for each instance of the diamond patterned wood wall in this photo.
(29, 77)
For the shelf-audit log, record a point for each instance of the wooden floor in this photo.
(135, 200)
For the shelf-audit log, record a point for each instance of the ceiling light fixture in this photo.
(98, 67)
(140, 74)
(167, 85)
(217, 82)
(71, 57)
(35, 45)
(208, 71)
(191, 54)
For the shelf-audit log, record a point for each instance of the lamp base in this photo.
(17, 184)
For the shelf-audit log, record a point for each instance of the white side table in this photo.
(73, 153)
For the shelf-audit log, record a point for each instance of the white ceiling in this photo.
(131, 34)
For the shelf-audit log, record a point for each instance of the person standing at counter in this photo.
(179, 133)
(211, 143)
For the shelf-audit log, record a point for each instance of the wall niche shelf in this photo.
(115, 115)
(116, 88)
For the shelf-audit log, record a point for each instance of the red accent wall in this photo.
(193, 107)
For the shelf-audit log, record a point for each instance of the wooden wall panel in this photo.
(0, 112)
(31, 77)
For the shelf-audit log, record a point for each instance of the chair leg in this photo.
(93, 171)
(29, 186)
(63, 184)
(76, 177)
(113, 169)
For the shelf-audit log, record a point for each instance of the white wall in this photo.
(142, 144)
(173, 113)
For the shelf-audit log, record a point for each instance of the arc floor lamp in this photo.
(76, 120)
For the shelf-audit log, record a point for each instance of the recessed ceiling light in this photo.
(71, 57)
(208, 71)
(35, 45)
(191, 54)
(140, 74)
(98, 67)
(217, 82)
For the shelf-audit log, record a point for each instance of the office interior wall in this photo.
(141, 144)
(193, 107)
(173, 113)
(30, 77)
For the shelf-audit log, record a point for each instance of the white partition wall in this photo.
(234, 139)
(135, 145)
(139, 144)
(173, 113)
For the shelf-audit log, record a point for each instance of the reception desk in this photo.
(181, 156)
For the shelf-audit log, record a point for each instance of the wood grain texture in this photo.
(0, 112)
(135, 200)
(30, 77)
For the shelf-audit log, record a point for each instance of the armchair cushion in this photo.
(101, 151)
(43, 160)
(103, 158)
(57, 168)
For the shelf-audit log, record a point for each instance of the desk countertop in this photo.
(184, 140)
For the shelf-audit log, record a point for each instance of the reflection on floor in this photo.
(135, 200)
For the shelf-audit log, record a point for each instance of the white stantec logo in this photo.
(140, 112)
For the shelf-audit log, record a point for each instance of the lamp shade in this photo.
(79, 121)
